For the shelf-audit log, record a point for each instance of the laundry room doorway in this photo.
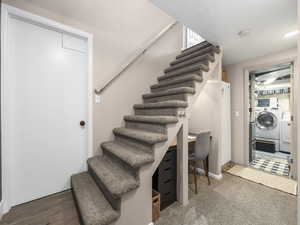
(270, 119)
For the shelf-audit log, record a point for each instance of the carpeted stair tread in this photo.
(196, 47)
(202, 66)
(152, 119)
(163, 82)
(132, 156)
(113, 176)
(177, 64)
(210, 49)
(173, 91)
(184, 71)
(166, 104)
(142, 136)
(191, 51)
(93, 206)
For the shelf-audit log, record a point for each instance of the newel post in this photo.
(182, 164)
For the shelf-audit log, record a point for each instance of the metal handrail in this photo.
(135, 58)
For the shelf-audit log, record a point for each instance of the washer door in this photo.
(266, 120)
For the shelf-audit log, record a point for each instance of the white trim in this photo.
(212, 175)
(1, 210)
(246, 117)
(8, 11)
(184, 38)
(151, 223)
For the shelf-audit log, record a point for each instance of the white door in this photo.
(46, 94)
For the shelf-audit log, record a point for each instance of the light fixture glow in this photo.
(291, 34)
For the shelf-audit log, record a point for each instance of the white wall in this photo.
(236, 79)
(298, 109)
(120, 29)
(128, 90)
(205, 116)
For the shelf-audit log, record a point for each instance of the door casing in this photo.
(7, 12)
(295, 87)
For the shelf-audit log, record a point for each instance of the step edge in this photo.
(172, 91)
(129, 162)
(172, 119)
(114, 193)
(116, 213)
(118, 131)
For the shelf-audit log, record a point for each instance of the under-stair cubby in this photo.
(164, 179)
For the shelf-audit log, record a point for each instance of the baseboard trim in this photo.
(212, 175)
(151, 223)
(1, 210)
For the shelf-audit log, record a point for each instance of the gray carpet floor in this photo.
(233, 201)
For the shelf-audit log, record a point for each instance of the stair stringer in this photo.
(136, 206)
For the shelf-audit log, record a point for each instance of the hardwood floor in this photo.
(58, 209)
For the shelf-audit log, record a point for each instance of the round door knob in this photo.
(82, 123)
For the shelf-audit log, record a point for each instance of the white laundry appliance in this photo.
(271, 103)
(285, 132)
(267, 130)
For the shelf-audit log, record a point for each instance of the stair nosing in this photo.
(156, 137)
(165, 82)
(197, 59)
(114, 215)
(195, 47)
(165, 104)
(105, 146)
(210, 49)
(185, 71)
(193, 67)
(151, 119)
(170, 92)
(116, 191)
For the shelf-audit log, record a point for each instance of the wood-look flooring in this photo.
(58, 209)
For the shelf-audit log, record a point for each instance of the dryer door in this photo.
(266, 120)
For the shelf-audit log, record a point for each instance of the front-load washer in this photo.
(267, 125)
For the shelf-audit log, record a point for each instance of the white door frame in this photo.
(7, 157)
(295, 93)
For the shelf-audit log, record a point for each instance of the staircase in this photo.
(117, 187)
